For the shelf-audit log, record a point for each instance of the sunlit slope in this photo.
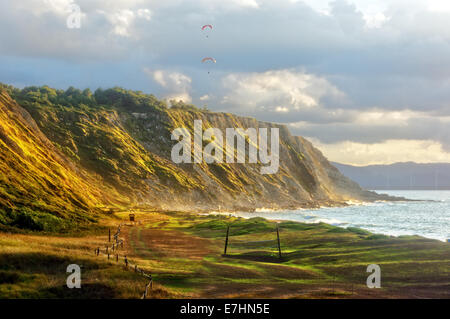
(98, 139)
(39, 189)
(33, 175)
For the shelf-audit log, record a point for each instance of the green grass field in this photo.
(184, 252)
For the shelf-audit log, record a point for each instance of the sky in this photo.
(368, 82)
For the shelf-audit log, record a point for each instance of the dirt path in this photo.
(168, 243)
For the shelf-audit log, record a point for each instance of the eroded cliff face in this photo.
(305, 177)
(117, 152)
(39, 187)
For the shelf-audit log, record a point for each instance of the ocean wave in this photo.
(268, 210)
(222, 212)
(330, 221)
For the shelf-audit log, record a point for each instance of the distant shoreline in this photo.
(278, 220)
(391, 188)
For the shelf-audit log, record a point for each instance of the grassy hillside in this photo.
(183, 252)
(34, 266)
(39, 189)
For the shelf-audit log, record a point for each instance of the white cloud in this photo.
(390, 151)
(60, 7)
(144, 13)
(375, 20)
(373, 126)
(123, 20)
(382, 117)
(281, 109)
(184, 96)
(177, 85)
(246, 3)
(120, 21)
(277, 90)
(438, 5)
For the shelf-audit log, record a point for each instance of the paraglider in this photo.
(212, 60)
(205, 27)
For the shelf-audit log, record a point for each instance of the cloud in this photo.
(281, 109)
(390, 151)
(246, 3)
(375, 20)
(358, 71)
(104, 25)
(122, 21)
(60, 7)
(349, 18)
(378, 126)
(177, 85)
(277, 91)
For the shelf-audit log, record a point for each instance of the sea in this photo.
(429, 216)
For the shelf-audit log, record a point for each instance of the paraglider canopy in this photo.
(207, 26)
(209, 59)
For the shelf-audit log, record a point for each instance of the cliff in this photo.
(72, 152)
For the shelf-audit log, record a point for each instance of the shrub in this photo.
(377, 236)
(7, 277)
(358, 231)
(26, 219)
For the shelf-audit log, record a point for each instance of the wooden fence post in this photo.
(334, 280)
(226, 241)
(109, 235)
(279, 246)
(117, 257)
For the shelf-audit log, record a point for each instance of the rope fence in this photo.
(111, 251)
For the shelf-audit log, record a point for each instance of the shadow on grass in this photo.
(41, 263)
(11, 277)
(175, 280)
(257, 256)
(87, 291)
